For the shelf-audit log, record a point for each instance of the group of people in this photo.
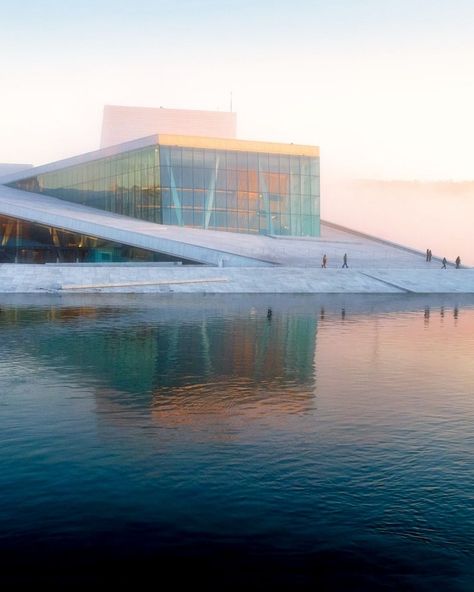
(429, 256)
(444, 260)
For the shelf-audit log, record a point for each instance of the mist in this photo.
(435, 215)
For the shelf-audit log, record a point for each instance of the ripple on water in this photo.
(312, 448)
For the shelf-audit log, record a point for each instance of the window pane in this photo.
(232, 160)
(210, 159)
(187, 157)
(198, 158)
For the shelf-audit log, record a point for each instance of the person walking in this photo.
(427, 254)
(344, 259)
(325, 260)
(458, 262)
(444, 263)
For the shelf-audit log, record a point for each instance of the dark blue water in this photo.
(329, 445)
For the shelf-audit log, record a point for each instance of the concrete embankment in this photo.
(116, 278)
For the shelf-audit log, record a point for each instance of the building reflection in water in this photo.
(175, 365)
(180, 371)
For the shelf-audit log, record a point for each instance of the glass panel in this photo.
(166, 214)
(199, 218)
(295, 184)
(242, 201)
(232, 220)
(175, 155)
(305, 185)
(252, 161)
(242, 161)
(274, 203)
(275, 224)
(199, 199)
(187, 157)
(221, 182)
(210, 159)
(295, 205)
(150, 158)
(165, 155)
(166, 197)
(232, 179)
(242, 181)
(253, 201)
(285, 223)
(198, 158)
(284, 183)
(187, 199)
(188, 219)
(306, 205)
(177, 176)
(305, 166)
(284, 163)
(231, 160)
(306, 225)
(232, 200)
(198, 178)
(263, 162)
(253, 185)
(220, 200)
(294, 165)
(243, 220)
(187, 177)
(274, 163)
(220, 220)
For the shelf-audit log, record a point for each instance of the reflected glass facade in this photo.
(25, 242)
(212, 188)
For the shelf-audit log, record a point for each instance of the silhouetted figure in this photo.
(430, 255)
(427, 254)
(444, 263)
(269, 313)
(458, 262)
(344, 259)
(343, 313)
(325, 260)
(321, 315)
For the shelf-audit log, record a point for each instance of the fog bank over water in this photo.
(419, 214)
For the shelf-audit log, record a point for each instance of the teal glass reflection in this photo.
(234, 191)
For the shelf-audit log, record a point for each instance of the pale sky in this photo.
(385, 88)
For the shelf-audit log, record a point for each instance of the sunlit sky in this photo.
(385, 88)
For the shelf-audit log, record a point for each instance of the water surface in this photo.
(330, 443)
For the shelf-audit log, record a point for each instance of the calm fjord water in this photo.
(329, 444)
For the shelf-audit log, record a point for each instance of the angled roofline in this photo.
(195, 244)
(237, 145)
(81, 159)
(164, 140)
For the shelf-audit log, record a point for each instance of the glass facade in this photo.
(25, 242)
(229, 190)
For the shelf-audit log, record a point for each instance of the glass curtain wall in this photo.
(248, 192)
(126, 184)
(25, 242)
(240, 191)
